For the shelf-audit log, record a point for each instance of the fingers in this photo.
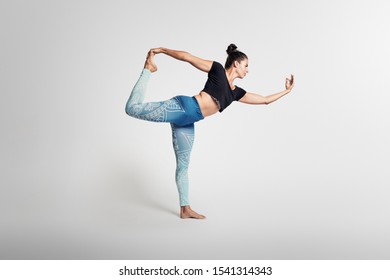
(150, 53)
(289, 82)
(155, 50)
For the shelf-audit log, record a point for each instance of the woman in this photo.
(183, 111)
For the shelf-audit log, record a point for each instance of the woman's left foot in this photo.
(149, 63)
(186, 212)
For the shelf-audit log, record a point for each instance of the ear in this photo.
(236, 64)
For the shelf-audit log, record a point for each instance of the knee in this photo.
(130, 110)
(181, 170)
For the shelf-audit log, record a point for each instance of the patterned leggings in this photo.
(181, 112)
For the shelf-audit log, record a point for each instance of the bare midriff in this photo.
(207, 104)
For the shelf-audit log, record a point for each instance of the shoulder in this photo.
(240, 92)
(216, 64)
(216, 67)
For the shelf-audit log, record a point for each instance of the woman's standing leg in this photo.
(183, 139)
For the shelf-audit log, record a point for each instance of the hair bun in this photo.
(231, 48)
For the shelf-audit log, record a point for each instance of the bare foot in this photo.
(149, 63)
(186, 212)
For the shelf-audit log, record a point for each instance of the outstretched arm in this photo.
(199, 63)
(253, 98)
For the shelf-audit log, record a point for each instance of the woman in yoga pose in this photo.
(183, 111)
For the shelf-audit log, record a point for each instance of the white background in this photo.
(303, 178)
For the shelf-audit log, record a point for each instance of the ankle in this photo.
(147, 70)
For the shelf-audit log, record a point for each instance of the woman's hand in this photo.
(253, 98)
(156, 50)
(290, 83)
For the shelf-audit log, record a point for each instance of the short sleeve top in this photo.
(217, 85)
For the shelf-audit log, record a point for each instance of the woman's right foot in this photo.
(186, 212)
(149, 63)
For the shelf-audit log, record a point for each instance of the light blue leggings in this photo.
(181, 112)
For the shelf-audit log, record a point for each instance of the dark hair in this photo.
(234, 55)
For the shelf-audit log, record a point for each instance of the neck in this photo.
(231, 75)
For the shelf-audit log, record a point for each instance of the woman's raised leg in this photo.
(164, 111)
(138, 93)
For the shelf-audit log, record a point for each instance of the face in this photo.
(241, 68)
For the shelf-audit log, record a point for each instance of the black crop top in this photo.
(218, 87)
